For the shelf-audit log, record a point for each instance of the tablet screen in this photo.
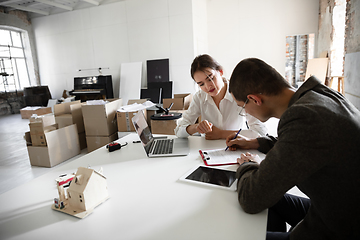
(214, 176)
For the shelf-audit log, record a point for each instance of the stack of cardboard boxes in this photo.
(27, 112)
(181, 101)
(39, 125)
(100, 123)
(181, 104)
(69, 113)
(54, 138)
(124, 118)
(49, 145)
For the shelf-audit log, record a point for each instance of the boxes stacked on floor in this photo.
(181, 104)
(69, 113)
(124, 118)
(27, 112)
(100, 122)
(39, 125)
(181, 101)
(49, 145)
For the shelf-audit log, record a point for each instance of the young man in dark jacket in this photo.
(317, 150)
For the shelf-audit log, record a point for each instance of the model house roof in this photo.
(82, 178)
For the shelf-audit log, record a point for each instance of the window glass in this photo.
(17, 52)
(4, 52)
(7, 66)
(5, 37)
(22, 70)
(13, 66)
(16, 39)
(10, 78)
(14, 74)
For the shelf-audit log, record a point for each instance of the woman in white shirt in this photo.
(217, 108)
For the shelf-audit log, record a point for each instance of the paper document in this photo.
(221, 157)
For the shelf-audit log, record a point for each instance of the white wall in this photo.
(352, 76)
(140, 30)
(108, 35)
(199, 10)
(239, 29)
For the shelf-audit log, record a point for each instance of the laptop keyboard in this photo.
(163, 146)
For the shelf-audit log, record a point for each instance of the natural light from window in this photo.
(13, 68)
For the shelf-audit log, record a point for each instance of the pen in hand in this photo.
(233, 138)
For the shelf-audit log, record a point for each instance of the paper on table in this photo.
(222, 157)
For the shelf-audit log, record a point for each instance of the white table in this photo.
(147, 201)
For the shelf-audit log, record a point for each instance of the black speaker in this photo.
(151, 94)
(158, 70)
(165, 89)
(37, 96)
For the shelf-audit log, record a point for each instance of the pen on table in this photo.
(233, 138)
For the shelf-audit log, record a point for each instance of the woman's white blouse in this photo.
(226, 117)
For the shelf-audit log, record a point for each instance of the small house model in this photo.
(87, 190)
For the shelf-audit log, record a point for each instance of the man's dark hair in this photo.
(254, 76)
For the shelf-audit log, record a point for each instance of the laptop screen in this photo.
(142, 128)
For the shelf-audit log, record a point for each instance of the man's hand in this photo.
(241, 142)
(248, 157)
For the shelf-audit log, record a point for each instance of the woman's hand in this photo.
(204, 127)
(216, 133)
(241, 142)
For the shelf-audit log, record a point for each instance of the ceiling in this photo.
(38, 8)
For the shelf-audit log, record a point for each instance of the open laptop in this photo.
(158, 147)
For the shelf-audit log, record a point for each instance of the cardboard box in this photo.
(95, 142)
(36, 128)
(181, 101)
(124, 121)
(38, 139)
(100, 120)
(69, 113)
(82, 140)
(65, 120)
(62, 144)
(139, 101)
(37, 133)
(28, 111)
(163, 126)
(124, 118)
(45, 120)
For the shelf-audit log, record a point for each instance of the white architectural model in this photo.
(87, 190)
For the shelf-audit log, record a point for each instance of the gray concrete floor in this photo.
(15, 168)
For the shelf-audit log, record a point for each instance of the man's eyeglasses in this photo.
(243, 108)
